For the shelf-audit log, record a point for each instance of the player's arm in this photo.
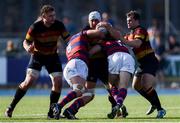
(94, 33)
(65, 35)
(63, 41)
(139, 36)
(28, 43)
(28, 46)
(136, 43)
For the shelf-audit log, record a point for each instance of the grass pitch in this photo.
(34, 109)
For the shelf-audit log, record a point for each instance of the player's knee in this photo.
(33, 74)
(56, 77)
(31, 77)
(79, 89)
(27, 82)
(25, 85)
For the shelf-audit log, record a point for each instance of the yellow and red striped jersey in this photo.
(45, 38)
(145, 48)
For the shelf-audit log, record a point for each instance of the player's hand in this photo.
(31, 49)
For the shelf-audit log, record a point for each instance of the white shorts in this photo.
(75, 67)
(121, 61)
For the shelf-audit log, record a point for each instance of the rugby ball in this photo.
(102, 29)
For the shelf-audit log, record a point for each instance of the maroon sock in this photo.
(68, 98)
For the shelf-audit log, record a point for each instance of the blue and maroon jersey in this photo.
(145, 48)
(78, 47)
(45, 38)
(111, 47)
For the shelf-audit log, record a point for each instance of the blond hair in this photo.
(45, 9)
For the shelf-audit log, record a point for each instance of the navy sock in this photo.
(17, 97)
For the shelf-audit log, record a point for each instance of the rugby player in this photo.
(148, 64)
(98, 65)
(121, 67)
(41, 43)
(76, 72)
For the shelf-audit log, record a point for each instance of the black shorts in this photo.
(52, 62)
(98, 69)
(148, 64)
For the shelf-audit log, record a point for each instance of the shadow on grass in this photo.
(22, 119)
(102, 119)
(130, 119)
(152, 118)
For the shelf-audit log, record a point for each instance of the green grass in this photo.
(34, 109)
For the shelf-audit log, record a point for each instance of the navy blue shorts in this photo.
(149, 64)
(52, 62)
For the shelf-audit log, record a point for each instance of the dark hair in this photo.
(133, 13)
(45, 9)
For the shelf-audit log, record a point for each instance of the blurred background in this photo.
(160, 17)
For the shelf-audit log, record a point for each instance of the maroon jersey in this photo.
(45, 38)
(113, 46)
(145, 48)
(78, 47)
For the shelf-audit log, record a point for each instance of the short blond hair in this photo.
(45, 9)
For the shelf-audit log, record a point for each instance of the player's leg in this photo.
(102, 74)
(138, 86)
(32, 74)
(75, 74)
(31, 77)
(54, 68)
(86, 97)
(78, 85)
(78, 88)
(147, 93)
(114, 84)
(93, 68)
(119, 92)
(121, 67)
(73, 108)
(148, 80)
(56, 79)
(124, 80)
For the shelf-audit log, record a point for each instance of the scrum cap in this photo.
(94, 15)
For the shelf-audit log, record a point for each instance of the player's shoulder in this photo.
(37, 24)
(58, 23)
(141, 29)
(38, 21)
